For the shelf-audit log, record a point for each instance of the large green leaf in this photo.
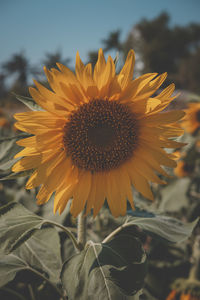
(113, 270)
(40, 254)
(17, 224)
(29, 102)
(166, 228)
(174, 196)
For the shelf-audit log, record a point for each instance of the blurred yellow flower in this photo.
(99, 134)
(174, 295)
(191, 121)
(3, 120)
(197, 145)
(184, 169)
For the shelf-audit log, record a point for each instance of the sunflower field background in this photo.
(161, 259)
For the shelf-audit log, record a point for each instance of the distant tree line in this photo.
(159, 47)
(18, 70)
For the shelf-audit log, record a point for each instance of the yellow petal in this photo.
(99, 69)
(54, 108)
(44, 169)
(161, 156)
(100, 192)
(79, 68)
(28, 152)
(87, 76)
(107, 76)
(81, 193)
(27, 163)
(145, 170)
(112, 196)
(150, 88)
(135, 86)
(52, 97)
(65, 191)
(72, 93)
(62, 197)
(70, 76)
(43, 195)
(150, 160)
(163, 118)
(92, 195)
(141, 184)
(126, 73)
(52, 139)
(41, 119)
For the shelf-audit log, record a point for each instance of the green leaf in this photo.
(40, 254)
(11, 175)
(29, 102)
(17, 224)
(175, 190)
(47, 210)
(163, 227)
(9, 266)
(8, 149)
(113, 270)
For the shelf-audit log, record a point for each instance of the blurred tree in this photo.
(3, 89)
(162, 47)
(112, 42)
(92, 57)
(52, 58)
(17, 64)
(188, 74)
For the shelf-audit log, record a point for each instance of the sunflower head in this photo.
(99, 134)
(191, 121)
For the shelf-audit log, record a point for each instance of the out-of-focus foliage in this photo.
(50, 60)
(163, 48)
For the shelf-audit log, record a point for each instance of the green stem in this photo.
(31, 292)
(68, 232)
(81, 230)
(195, 268)
(112, 234)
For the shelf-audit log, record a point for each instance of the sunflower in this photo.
(191, 121)
(99, 133)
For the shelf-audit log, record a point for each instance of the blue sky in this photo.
(41, 26)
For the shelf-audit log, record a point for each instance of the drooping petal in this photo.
(81, 193)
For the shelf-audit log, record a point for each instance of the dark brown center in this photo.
(100, 135)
